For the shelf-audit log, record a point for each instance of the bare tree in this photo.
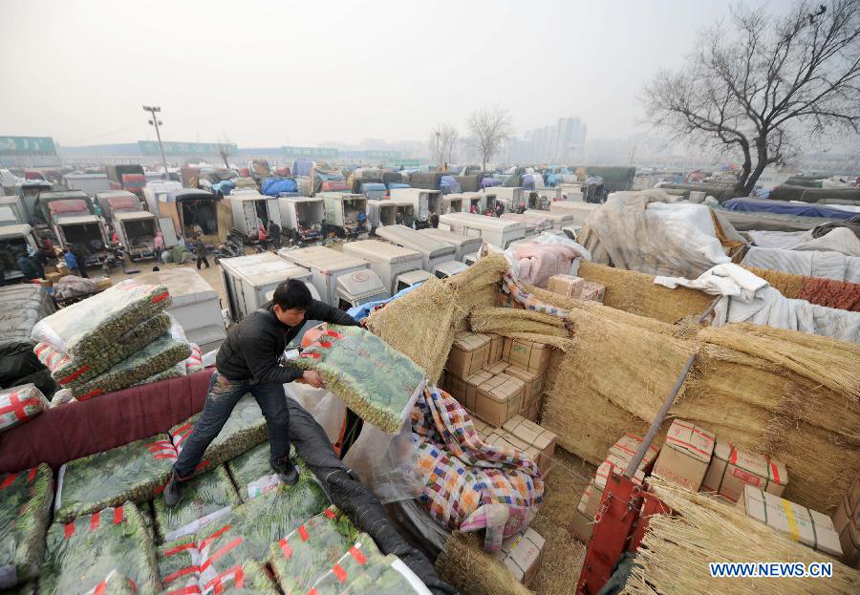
(442, 140)
(759, 86)
(225, 149)
(489, 126)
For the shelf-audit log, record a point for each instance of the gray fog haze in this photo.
(268, 73)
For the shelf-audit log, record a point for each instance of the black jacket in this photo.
(254, 346)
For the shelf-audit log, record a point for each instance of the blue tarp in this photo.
(488, 182)
(274, 186)
(784, 207)
(529, 181)
(363, 311)
(448, 185)
(393, 185)
(372, 186)
(225, 187)
(302, 167)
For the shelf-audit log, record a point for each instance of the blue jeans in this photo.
(220, 400)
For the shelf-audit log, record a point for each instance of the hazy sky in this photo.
(270, 73)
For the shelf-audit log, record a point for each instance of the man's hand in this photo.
(313, 379)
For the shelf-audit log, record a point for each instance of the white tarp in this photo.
(749, 298)
(813, 263)
(840, 239)
(647, 232)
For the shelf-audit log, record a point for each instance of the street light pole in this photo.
(155, 122)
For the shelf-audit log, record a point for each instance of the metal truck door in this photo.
(168, 231)
(250, 213)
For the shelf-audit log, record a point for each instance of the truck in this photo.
(136, 232)
(190, 210)
(248, 280)
(463, 244)
(534, 223)
(7, 217)
(452, 203)
(345, 213)
(391, 263)
(302, 217)
(14, 239)
(404, 212)
(89, 183)
(476, 200)
(571, 192)
(495, 231)
(559, 220)
(129, 177)
(448, 269)
(511, 197)
(381, 213)
(84, 230)
(41, 213)
(247, 212)
(16, 205)
(579, 210)
(117, 201)
(433, 252)
(342, 280)
(547, 196)
(425, 202)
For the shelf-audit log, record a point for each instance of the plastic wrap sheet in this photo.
(157, 357)
(65, 369)
(25, 510)
(245, 429)
(353, 498)
(133, 472)
(387, 464)
(311, 550)
(96, 323)
(205, 499)
(115, 583)
(20, 404)
(323, 405)
(376, 381)
(81, 554)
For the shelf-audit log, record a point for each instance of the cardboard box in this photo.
(484, 430)
(498, 399)
(472, 384)
(522, 555)
(468, 354)
(730, 469)
(626, 447)
(589, 502)
(566, 285)
(527, 354)
(541, 439)
(685, 455)
(798, 522)
(496, 345)
(533, 414)
(846, 523)
(497, 368)
(620, 465)
(593, 292)
(456, 388)
(581, 527)
(500, 437)
(533, 382)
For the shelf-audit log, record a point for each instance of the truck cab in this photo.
(449, 269)
(14, 239)
(358, 288)
(411, 278)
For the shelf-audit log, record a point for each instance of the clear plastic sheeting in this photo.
(205, 499)
(25, 510)
(81, 554)
(131, 472)
(20, 404)
(66, 369)
(374, 380)
(387, 464)
(641, 231)
(323, 405)
(245, 428)
(97, 323)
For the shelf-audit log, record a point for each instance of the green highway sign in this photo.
(150, 147)
(310, 152)
(27, 145)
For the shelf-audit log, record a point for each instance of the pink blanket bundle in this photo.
(539, 262)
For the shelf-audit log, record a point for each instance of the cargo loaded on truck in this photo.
(136, 232)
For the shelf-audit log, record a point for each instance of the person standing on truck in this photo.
(27, 267)
(248, 361)
(275, 234)
(434, 220)
(202, 252)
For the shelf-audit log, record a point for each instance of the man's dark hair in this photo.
(292, 293)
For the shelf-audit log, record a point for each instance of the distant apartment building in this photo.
(562, 143)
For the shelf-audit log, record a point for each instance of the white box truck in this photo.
(497, 232)
(571, 192)
(511, 197)
(474, 202)
(452, 203)
(136, 232)
(249, 211)
(381, 213)
(116, 201)
(388, 261)
(433, 251)
(328, 267)
(88, 183)
(462, 243)
(534, 223)
(247, 280)
(404, 213)
(14, 239)
(558, 220)
(345, 214)
(579, 210)
(194, 303)
(302, 217)
(17, 206)
(7, 217)
(425, 202)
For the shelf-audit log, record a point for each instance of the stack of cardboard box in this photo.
(497, 378)
(618, 458)
(528, 437)
(576, 287)
(846, 523)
